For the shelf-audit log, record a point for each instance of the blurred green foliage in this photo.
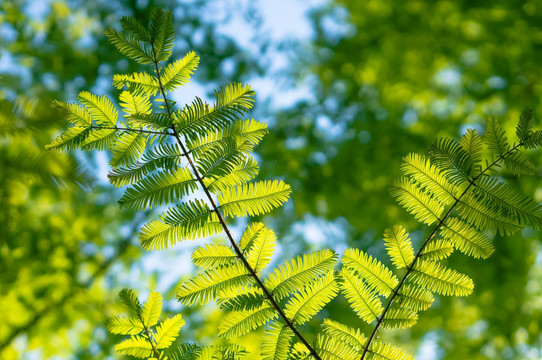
(385, 76)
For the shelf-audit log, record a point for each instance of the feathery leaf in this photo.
(130, 46)
(437, 250)
(449, 156)
(162, 33)
(127, 149)
(133, 103)
(495, 138)
(263, 247)
(440, 279)
(472, 143)
(330, 348)
(353, 337)
(152, 309)
(421, 205)
(429, 177)
(413, 297)
(231, 103)
(239, 323)
(168, 331)
(399, 246)
(467, 239)
(100, 108)
(212, 256)
(158, 189)
(129, 298)
(204, 287)
(178, 72)
(372, 270)
(399, 318)
(164, 156)
(384, 351)
(186, 221)
(311, 299)
(276, 342)
(124, 326)
(137, 346)
(254, 198)
(138, 83)
(294, 274)
(363, 300)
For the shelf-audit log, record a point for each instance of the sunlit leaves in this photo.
(152, 309)
(262, 249)
(420, 204)
(363, 300)
(178, 72)
(162, 34)
(200, 118)
(127, 149)
(101, 109)
(399, 318)
(186, 221)
(146, 336)
(158, 189)
(167, 331)
(429, 177)
(413, 297)
(294, 274)
(449, 156)
(495, 138)
(467, 239)
(213, 255)
(310, 300)
(239, 323)
(130, 46)
(333, 349)
(373, 271)
(254, 198)
(441, 280)
(399, 246)
(276, 342)
(353, 337)
(472, 143)
(133, 103)
(205, 287)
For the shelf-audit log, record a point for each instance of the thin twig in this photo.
(129, 129)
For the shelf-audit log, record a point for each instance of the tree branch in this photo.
(216, 209)
(419, 253)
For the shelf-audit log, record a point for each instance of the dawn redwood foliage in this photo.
(197, 160)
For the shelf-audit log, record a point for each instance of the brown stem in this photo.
(419, 253)
(154, 350)
(216, 209)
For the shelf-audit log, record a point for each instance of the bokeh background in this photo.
(348, 87)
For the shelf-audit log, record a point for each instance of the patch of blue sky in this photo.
(10, 65)
(429, 349)
(7, 33)
(37, 10)
(496, 83)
